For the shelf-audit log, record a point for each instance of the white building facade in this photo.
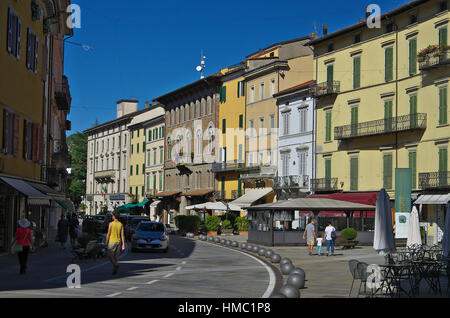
(295, 141)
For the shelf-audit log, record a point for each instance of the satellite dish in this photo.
(199, 68)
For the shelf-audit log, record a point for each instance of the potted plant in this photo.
(227, 227)
(242, 224)
(212, 224)
(349, 234)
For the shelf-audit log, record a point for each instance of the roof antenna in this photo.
(202, 66)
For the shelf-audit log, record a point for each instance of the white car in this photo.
(150, 236)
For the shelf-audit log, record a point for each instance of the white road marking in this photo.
(113, 295)
(153, 281)
(178, 268)
(182, 263)
(168, 275)
(271, 286)
(132, 288)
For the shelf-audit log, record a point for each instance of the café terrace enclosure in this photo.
(261, 218)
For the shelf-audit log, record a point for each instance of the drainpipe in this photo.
(396, 94)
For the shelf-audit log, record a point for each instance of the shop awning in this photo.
(167, 194)
(368, 198)
(154, 203)
(251, 196)
(433, 199)
(34, 196)
(54, 194)
(65, 207)
(197, 193)
(313, 204)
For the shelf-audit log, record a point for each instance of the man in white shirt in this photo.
(330, 241)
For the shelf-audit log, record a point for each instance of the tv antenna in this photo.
(202, 66)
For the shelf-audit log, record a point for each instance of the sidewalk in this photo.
(326, 276)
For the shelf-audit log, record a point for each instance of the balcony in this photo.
(106, 176)
(382, 126)
(324, 185)
(62, 95)
(60, 155)
(227, 166)
(327, 88)
(259, 172)
(434, 180)
(291, 182)
(434, 62)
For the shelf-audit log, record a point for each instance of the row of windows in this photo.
(189, 112)
(14, 38)
(388, 168)
(262, 93)
(155, 156)
(113, 142)
(262, 125)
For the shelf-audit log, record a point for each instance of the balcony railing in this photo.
(227, 166)
(62, 94)
(324, 184)
(382, 126)
(434, 180)
(219, 195)
(434, 62)
(327, 88)
(291, 182)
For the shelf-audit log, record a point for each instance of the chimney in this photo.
(325, 29)
(125, 107)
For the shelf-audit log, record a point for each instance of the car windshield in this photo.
(98, 217)
(151, 227)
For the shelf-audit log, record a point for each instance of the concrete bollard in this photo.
(262, 251)
(269, 253)
(298, 271)
(256, 249)
(285, 260)
(290, 291)
(234, 244)
(286, 268)
(244, 246)
(275, 258)
(296, 280)
(249, 247)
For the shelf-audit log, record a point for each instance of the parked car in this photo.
(132, 224)
(170, 229)
(150, 236)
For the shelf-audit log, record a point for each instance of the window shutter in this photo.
(241, 121)
(19, 26)
(443, 160)
(224, 94)
(224, 126)
(5, 130)
(36, 53)
(388, 64)
(412, 166)
(238, 89)
(16, 136)
(356, 72)
(413, 111)
(443, 106)
(35, 142)
(131, 172)
(9, 45)
(25, 140)
(328, 169)
(387, 171)
(330, 71)
(28, 60)
(353, 173)
(412, 56)
(443, 36)
(328, 127)
(41, 144)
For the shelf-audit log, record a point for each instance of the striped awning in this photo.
(433, 199)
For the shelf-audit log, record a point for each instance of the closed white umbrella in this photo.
(414, 237)
(383, 241)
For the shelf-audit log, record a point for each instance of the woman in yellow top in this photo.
(114, 238)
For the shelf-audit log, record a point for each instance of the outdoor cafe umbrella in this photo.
(414, 237)
(446, 238)
(383, 241)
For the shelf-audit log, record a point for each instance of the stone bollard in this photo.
(275, 258)
(262, 251)
(216, 239)
(285, 260)
(244, 246)
(290, 291)
(298, 271)
(296, 280)
(286, 268)
(249, 247)
(269, 253)
(256, 249)
(234, 244)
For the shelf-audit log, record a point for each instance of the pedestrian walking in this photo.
(319, 244)
(115, 239)
(310, 232)
(63, 231)
(330, 236)
(73, 230)
(23, 238)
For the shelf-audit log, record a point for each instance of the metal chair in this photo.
(353, 266)
(363, 274)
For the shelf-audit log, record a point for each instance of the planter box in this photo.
(244, 233)
(211, 233)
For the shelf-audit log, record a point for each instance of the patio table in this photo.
(430, 270)
(393, 275)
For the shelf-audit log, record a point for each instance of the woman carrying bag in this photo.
(22, 243)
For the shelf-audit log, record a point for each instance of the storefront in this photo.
(283, 222)
(432, 213)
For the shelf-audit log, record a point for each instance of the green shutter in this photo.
(224, 126)
(443, 41)
(387, 171)
(328, 126)
(330, 71)
(148, 181)
(162, 130)
(354, 174)
(143, 168)
(413, 167)
(413, 111)
(354, 120)
(412, 56)
(239, 187)
(388, 64)
(356, 72)
(131, 190)
(443, 160)
(137, 169)
(328, 173)
(388, 116)
(241, 121)
(154, 181)
(131, 170)
(443, 106)
(243, 88)
(154, 156)
(238, 89)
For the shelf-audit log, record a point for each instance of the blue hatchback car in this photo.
(150, 236)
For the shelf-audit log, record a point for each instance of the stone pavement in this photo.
(327, 276)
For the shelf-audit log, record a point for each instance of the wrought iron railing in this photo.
(219, 195)
(327, 88)
(432, 180)
(324, 184)
(227, 166)
(381, 126)
(291, 182)
(433, 62)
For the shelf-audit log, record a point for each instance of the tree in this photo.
(77, 144)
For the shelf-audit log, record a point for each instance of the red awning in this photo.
(369, 198)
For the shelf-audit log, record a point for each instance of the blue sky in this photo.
(142, 49)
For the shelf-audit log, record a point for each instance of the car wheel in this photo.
(166, 250)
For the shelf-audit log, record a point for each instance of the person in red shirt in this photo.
(23, 237)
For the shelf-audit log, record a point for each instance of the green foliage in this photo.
(226, 225)
(188, 223)
(349, 233)
(242, 223)
(82, 207)
(212, 222)
(77, 144)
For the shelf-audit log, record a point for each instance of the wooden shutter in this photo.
(5, 130)
(413, 111)
(10, 31)
(16, 135)
(354, 120)
(28, 59)
(224, 126)
(412, 56)
(241, 121)
(36, 53)
(41, 144)
(388, 64)
(25, 140)
(412, 166)
(353, 173)
(19, 27)
(443, 106)
(35, 142)
(443, 36)
(356, 72)
(328, 126)
(443, 160)
(387, 171)
(388, 115)
(330, 71)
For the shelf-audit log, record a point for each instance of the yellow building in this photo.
(230, 157)
(382, 103)
(269, 71)
(138, 153)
